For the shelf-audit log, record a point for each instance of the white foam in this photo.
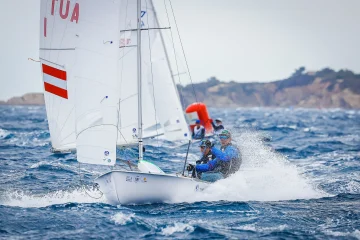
(255, 228)
(28, 138)
(39, 164)
(25, 200)
(122, 218)
(355, 234)
(177, 227)
(3, 133)
(264, 176)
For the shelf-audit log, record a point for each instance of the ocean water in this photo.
(303, 184)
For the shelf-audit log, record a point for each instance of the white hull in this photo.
(127, 187)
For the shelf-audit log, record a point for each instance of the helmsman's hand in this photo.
(209, 144)
(190, 167)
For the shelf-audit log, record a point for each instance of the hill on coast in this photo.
(322, 89)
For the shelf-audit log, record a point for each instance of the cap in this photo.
(202, 143)
(225, 134)
(197, 121)
(218, 119)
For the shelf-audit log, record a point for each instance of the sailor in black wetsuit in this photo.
(205, 148)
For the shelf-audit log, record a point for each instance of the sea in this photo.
(300, 179)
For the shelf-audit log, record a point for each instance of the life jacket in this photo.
(206, 158)
(230, 167)
(198, 132)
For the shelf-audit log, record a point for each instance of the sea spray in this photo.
(264, 176)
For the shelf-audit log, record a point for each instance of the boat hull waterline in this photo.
(128, 187)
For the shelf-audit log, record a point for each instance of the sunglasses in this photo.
(224, 137)
(202, 147)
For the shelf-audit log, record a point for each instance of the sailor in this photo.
(206, 152)
(218, 126)
(228, 157)
(198, 131)
(206, 156)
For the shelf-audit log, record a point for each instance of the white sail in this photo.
(57, 57)
(160, 82)
(85, 73)
(162, 111)
(128, 104)
(95, 73)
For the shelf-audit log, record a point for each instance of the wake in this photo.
(28, 200)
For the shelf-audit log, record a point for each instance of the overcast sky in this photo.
(241, 40)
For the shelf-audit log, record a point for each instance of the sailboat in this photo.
(108, 83)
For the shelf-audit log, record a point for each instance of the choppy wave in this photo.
(176, 227)
(299, 179)
(122, 218)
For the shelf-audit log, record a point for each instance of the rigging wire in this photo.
(176, 61)
(182, 47)
(152, 76)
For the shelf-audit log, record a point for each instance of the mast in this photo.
(139, 80)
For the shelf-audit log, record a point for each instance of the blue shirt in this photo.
(229, 153)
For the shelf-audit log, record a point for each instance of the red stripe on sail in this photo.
(56, 90)
(54, 72)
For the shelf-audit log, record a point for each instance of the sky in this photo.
(240, 40)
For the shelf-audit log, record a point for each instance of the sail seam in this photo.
(144, 29)
(65, 122)
(125, 55)
(77, 135)
(57, 49)
(52, 63)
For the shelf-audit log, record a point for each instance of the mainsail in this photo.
(79, 55)
(57, 55)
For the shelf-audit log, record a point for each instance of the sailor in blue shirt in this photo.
(228, 157)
